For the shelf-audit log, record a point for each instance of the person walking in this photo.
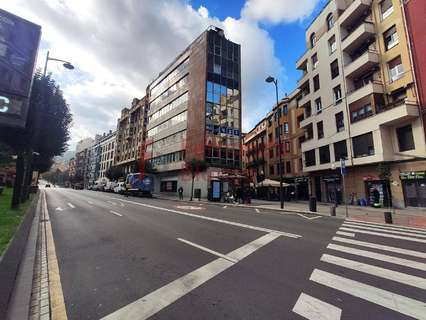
(180, 191)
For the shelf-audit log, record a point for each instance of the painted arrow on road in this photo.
(59, 209)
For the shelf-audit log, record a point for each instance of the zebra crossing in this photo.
(381, 265)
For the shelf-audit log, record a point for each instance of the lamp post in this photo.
(66, 64)
(270, 79)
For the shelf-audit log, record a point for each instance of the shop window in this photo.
(340, 125)
(320, 129)
(168, 186)
(324, 153)
(363, 145)
(334, 69)
(316, 83)
(391, 38)
(405, 138)
(310, 158)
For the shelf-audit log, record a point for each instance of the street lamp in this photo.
(270, 79)
(66, 64)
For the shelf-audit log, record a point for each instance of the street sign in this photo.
(19, 41)
(342, 167)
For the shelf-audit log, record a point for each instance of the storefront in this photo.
(414, 188)
(377, 192)
(333, 189)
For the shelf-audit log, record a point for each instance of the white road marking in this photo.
(152, 303)
(189, 207)
(385, 230)
(348, 234)
(224, 207)
(400, 277)
(232, 223)
(208, 250)
(378, 256)
(71, 205)
(355, 224)
(387, 299)
(257, 210)
(383, 224)
(122, 204)
(59, 209)
(90, 202)
(309, 218)
(380, 234)
(116, 213)
(314, 309)
(407, 252)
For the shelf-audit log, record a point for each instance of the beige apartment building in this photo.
(130, 136)
(360, 105)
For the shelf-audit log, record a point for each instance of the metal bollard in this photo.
(333, 211)
(388, 217)
(313, 204)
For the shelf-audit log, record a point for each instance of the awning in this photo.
(271, 183)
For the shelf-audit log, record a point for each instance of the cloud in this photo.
(278, 11)
(118, 47)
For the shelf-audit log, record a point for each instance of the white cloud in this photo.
(278, 11)
(118, 47)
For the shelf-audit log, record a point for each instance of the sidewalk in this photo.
(411, 217)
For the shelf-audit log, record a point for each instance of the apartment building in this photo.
(94, 160)
(282, 124)
(130, 136)
(360, 102)
(195, 113)
(106, 153)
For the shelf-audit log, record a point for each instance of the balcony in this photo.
(396, 113)
(362, 64)
(354, 12)
(302, 60)
(306, 97)
(364, 91)
(302, 81)
(358, 37)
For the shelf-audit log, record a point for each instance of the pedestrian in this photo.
(180, 191)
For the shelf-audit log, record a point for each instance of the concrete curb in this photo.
(12, 261)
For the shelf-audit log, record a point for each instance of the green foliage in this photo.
(114, 173)
(196, 165)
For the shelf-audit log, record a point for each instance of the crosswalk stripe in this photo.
(348, 234)
(385, 231)
(385, 227)
(400, 277)
(314, 309)
(382, 247)
(383, 234)
(378, 256)
(387, 299)
(383, 224)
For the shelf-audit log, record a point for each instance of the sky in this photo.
(119, 46)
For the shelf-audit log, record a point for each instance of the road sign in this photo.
(19, 41)
(342, 167)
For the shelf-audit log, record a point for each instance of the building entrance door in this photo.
(415, 192)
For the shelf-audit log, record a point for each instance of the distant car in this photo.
(110, 185)
(120, 187)
(47, 185)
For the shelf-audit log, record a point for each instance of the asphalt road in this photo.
(132, 258)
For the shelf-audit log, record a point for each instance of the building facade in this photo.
(130, 136)
(107, 152)
(360, 102)
(195, 113)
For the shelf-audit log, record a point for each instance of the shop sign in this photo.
(415, 175)
(370, 178)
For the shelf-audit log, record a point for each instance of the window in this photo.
(310, 158)
(334, 69)
(332, 44)
(324, 153)
(390, 37)
(320, 129)
(300, 119)
(285, 127)
(308, 111)
(313, 40)
(386, 8)
(337, 92)
(309, 132)
(405, 138)
(271, 170)
(318, 105)
(340, 126)
(340, 150)
(217, 68)
(330, 21)
(316, 83)
(363, 145)
(288, 167)
(314, 60)
(287, 146)
(285, 110)
(362, 113)
(396, 70)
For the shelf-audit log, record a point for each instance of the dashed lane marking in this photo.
(71, 205)
(116, 213)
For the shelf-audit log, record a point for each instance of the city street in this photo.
(136, 258)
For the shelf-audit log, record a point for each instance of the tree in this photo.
(45, 136)
(114, 173)
(195, 166)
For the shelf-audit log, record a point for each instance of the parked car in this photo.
(99, 185)
(110, 185)
(120, 187)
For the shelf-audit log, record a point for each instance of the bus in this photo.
(137, 186)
